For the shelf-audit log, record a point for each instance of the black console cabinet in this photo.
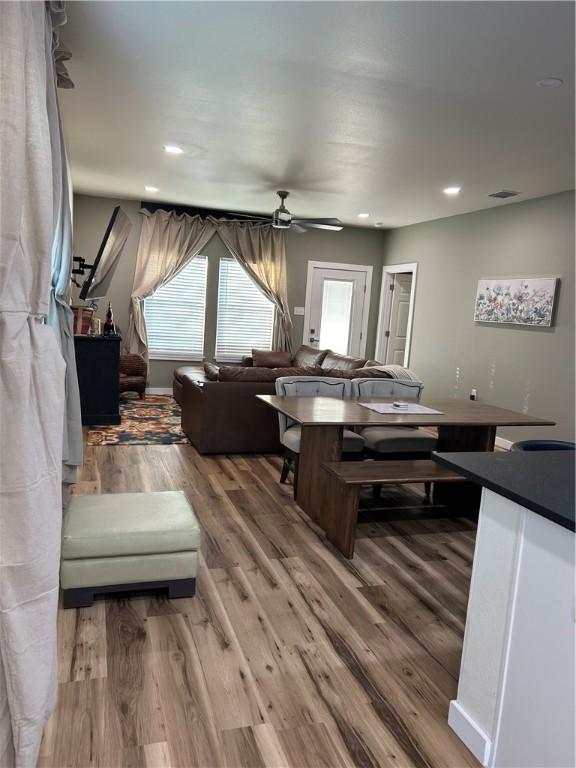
(97, 363)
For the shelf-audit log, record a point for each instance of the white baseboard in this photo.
(159, 390)
(504, 444)
(469, 732)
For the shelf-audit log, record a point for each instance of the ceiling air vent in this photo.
(503, 194)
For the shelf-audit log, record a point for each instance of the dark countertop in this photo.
(542, 481)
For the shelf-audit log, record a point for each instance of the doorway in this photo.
(396, 314)
(337, 306)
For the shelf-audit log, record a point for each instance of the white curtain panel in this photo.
(60, 317)
(168, 241)
(261, 250)
(32, 375)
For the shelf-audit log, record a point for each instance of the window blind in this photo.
(175, 315)
(245, 319)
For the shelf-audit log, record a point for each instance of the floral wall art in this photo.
(517, 300)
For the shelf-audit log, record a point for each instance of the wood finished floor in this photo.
(289, 655)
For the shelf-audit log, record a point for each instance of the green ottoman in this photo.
(126, 541)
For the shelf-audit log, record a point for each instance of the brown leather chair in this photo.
(133, 373)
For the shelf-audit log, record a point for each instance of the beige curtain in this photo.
(60, 317)
(261, 250)
(32, 381)
(167, 243)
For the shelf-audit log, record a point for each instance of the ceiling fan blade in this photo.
(251, 216)
(297, 228)
(333, 222)
(319, 225)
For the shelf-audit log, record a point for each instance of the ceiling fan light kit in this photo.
(283, 219)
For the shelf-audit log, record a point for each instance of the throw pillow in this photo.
(343, 362)
(306, 355)
(211, 371)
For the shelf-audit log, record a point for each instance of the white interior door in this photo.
(401, 289)
(337, 308)
(396, 312)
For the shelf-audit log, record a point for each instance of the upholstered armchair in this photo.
(133, 372)
(394, 442)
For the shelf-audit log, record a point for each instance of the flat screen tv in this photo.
(97, 284)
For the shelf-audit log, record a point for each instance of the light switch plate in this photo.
(298, 310)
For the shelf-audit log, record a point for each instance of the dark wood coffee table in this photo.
(463, 425)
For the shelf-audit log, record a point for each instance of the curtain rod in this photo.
(216, 213)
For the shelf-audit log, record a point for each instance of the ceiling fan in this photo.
(283, 219)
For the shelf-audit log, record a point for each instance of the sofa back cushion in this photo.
(271, 359)
(306, 355)
(239, 373)
(342, 362)
(211, 371)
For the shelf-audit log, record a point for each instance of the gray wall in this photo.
(519, 367)
(351, 245)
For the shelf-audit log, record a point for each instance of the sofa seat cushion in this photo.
(351, 441)
(125, 380)
(242, 373)
(120, 524)
(342, 362)
(128, 569)
(307, 355)
(398, 439)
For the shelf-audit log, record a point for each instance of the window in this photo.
(245, 317)
(175, 315)
(335, 316)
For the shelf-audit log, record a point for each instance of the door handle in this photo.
(313, 341)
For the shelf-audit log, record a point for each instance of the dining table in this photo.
(462, 425)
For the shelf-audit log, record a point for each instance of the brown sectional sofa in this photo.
(220, 411)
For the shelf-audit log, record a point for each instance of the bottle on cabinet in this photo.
(109, 327)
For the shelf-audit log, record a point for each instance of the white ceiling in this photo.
(351, 106)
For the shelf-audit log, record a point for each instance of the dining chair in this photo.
(291, 433)
(394, 442)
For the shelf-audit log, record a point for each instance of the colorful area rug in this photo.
(153, 421)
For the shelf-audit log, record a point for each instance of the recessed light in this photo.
(151, 189)
(452, 191)
(379, 224)
(550, 82)
(363, 215)
(171, 149)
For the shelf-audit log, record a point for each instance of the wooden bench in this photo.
(340, 515)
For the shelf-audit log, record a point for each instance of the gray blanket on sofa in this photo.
(399, 372)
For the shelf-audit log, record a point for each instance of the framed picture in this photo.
(516, 300)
